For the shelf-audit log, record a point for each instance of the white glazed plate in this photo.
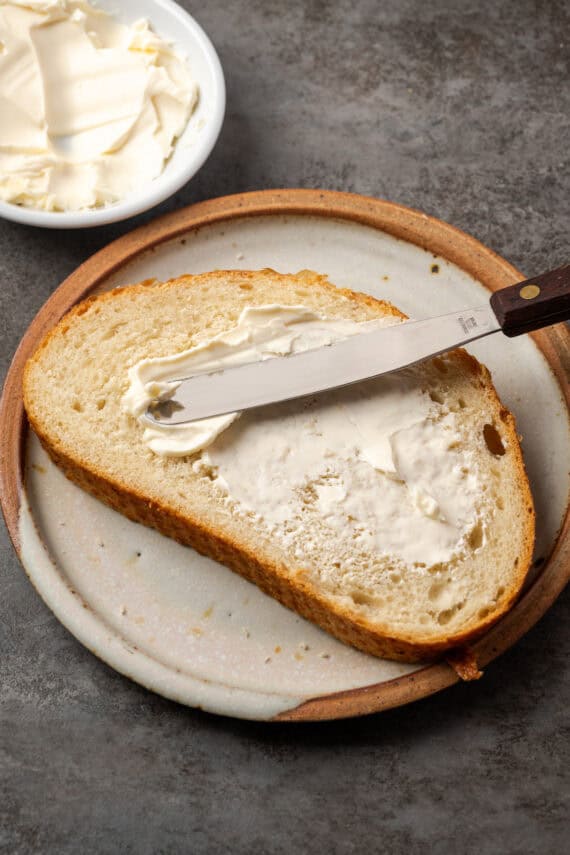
(189, 628)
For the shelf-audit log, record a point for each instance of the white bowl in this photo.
(174, 24)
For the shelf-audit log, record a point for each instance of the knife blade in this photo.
(519, 308)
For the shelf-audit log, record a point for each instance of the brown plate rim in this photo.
(408, 224)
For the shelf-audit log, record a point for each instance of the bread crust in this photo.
(293, 590)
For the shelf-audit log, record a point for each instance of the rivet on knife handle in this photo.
(536, 303)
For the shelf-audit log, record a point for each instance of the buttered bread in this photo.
(395, 513)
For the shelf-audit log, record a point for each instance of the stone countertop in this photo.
(463, 111)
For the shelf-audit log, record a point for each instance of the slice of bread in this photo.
(73, 390)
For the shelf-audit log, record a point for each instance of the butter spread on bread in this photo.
(322, 460)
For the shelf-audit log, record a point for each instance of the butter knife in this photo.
(529, 305)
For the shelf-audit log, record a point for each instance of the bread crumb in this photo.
(464, 663)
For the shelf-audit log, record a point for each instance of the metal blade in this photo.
(339, 364)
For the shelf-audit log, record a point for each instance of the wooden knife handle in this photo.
(535, 303)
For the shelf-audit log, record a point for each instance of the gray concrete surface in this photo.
(460, 109)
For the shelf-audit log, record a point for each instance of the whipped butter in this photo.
(90, 109)
(378, 465)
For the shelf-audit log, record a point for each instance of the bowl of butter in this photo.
(107, 107)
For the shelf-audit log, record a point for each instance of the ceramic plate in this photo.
(187, 627)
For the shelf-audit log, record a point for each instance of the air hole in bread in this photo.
(245, 286)
(445, 616)
(500, 504)
(101, 403)
(436, 590)
(77, 406)
(112, 331)
(436, 397)
(461, 404)
(482, 613)
(440, 365)
(475, 539)
(361, 598)
(396, 578)
(493, 440)
(501, 590)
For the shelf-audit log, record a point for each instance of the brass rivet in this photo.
(529, 292)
